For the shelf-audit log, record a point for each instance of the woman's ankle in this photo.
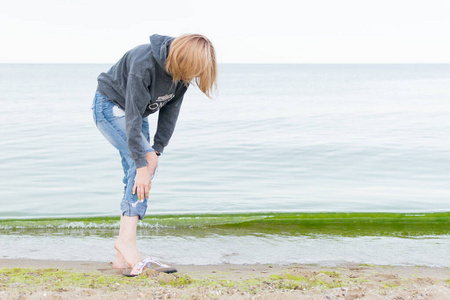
(129, 251)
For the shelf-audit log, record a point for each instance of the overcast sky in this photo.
(313, 31)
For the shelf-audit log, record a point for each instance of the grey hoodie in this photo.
(140, 85)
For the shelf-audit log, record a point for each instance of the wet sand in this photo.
(52, 279)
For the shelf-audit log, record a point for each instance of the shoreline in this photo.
(58, 279)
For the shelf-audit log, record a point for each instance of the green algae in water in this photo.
(343, 224)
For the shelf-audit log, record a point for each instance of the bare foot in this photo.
(129, 251)
(120, 262)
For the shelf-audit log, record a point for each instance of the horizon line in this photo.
(240, 63)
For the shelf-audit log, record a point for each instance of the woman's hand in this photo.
(143, 179)
(152, 160)
(142, 183)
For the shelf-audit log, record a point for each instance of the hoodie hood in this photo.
(160, 48)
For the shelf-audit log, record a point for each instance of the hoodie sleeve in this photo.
(137, 96)
(167, 120)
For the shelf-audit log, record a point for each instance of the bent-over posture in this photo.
(149, 78)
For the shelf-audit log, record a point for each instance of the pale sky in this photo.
(313, 31)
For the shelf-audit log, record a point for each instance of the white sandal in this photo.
(146, 263)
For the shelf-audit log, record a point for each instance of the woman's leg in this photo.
(119, 260)
(126, 244)
(127, 228)
(113, 128)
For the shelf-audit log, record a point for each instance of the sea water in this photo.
(273, 238)
(277, 138)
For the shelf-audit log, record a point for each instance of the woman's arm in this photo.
(167, 120)
(136, 99)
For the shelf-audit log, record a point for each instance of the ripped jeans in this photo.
(110, 120)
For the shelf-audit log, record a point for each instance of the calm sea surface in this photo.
(286, 138)
(309, 138)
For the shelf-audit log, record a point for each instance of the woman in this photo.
(149, 78)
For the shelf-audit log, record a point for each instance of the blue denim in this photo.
(110, 120)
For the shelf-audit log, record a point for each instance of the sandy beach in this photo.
(52, 279)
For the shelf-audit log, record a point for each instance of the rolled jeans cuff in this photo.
(132, 209)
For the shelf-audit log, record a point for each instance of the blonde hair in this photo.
(192, 59)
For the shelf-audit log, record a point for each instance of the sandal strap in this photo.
(140, 266)
(151, 260)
